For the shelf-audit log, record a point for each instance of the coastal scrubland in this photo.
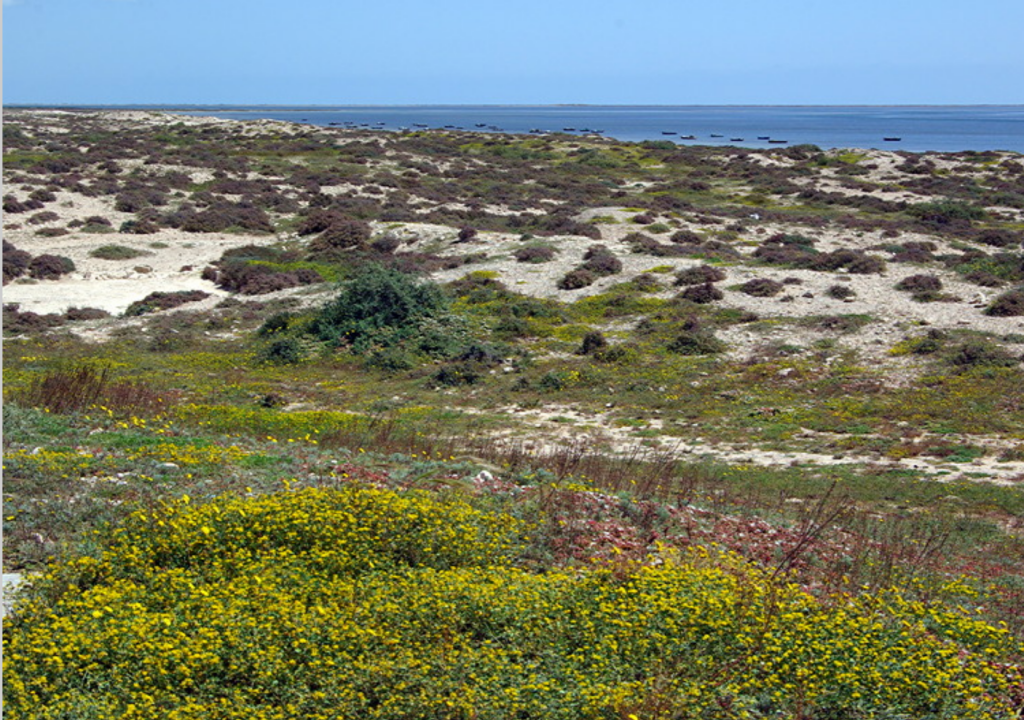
(318, 422)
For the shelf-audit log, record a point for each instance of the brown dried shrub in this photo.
(700, 275)
(702, 294)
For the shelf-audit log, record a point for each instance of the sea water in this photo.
(912, 128)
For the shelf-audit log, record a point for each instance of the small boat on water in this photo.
(687, 137)
(778, 142)
(568, 129)
(668, 132)
(764, 137)
(714, 135)
(892, 139)
(735, 139)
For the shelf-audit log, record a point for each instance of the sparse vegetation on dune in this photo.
(512, 427)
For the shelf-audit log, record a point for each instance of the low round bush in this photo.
(534, 254)
(285, 351)
(157, 301)
(50, 267)
(1009, 304)
(51, 232)
(593, 341)
(980, 353)
(379, 307)
(16, 262)
(920, 283)
(686, 237)
(43, 217)
(696, 342)
(117, 252)
(840, 292)
(700, 275)
(599, 260)
(576, 279)
(1000, 238)
(139, 227)
(702, 294)
(761, 287)
(87, 313)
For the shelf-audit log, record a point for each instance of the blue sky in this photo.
(517, 52)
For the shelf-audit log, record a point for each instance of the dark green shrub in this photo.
(980, 353)
(458, 373)
(274, 324)
(592, 342)
(696, 342)
(117, 252)
(286, 351)
(378, 307)
(512, 326)
(391, 359)
(51, 232)
(947, 216)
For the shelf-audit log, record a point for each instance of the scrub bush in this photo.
(699, 275)
(761, 287)
(702, 294)
(378, 307)
(50, 267)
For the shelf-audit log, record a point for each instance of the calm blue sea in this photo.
(941, 128)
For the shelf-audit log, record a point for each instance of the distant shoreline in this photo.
(257, 107)
(910, 128)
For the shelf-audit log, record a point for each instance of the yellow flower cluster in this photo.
(365, 603)
(262, 422)
(69, 462)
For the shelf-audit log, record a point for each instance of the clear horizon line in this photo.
(52, 105)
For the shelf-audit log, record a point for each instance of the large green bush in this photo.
(379, 307)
